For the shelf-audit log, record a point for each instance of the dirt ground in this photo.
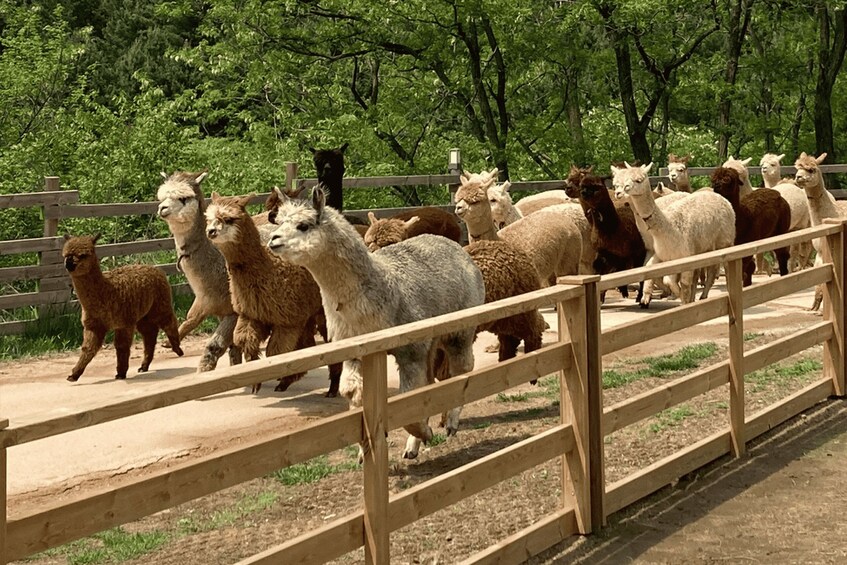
(780, 503)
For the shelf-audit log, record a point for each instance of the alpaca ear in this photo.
(780, 157)
(372, 218)
(95, 238)
(506, 186)
(615, 169)
(672, 158)
(200, 177)
(164, 175)
(215, 196)
(627, 165)
(318, 198)
(313, 150)
(343, 147)
(819, 159)
(589, 170)
(746, 161)
(67, 236)
(686, 158)
(410, 222)
(646, 168)
(243, 201)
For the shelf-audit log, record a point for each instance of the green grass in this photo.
(111, 546)
(519, 397)
(437, 439)
(228, 516)
(689, 357)
(670, 418)
(782, 374)
(749, 336)
(311, 471)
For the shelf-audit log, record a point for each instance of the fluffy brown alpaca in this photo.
(409, 223)
(760, 214)
(274, 299)
(124, 299)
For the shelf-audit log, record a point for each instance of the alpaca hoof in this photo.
(120, 377)
(282, 386)
(644, 305)
(407, 455)
(533, 382)
(142, 369)
(178, 351)
(165, 343)
(331, 394)
(73, 378)
(256, 388)
(451, 431)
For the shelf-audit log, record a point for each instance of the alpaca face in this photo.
(726, 182)
(677, 172)
(79, 254)
(297, 238)
(222, 222)
(383, 233)
(739, 166)
(575, 176)
(591, 191)
(472, 203)
(770, 164)
(807, 169)
(329, 163)
(634, 181)
(179, 198)
(500, 201)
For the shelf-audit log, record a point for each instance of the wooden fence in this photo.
(577, 439)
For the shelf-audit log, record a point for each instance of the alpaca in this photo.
(538, 201)
(363, 292)
(274, 299)
(182, 205)
(409, 223)
(741, 168)
(772, 169)
(123, 299)
(701, 222)
(549, 237)
(329, 166)
(678, 173)
(504, 213)
(761, 214)
(822, 204)
(614, 232)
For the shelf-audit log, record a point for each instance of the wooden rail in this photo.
(577, 439)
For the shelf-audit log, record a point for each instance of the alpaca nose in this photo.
(212, 232)
(460, 210)
(69, 264)
(275, 242)
(164, 211)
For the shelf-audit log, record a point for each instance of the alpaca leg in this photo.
(413, 374)
(747, 268)
(508, 346)
(283, 340)
(167, 322)
(92, 341)
(459, 349)
(149, 332)
(217, 345)
(123, 343)
(196, 314)
(686, 287)
(248, 336)
(335, 368)
(818, 298)
(711, 275)
(782, 256)
(648, 296)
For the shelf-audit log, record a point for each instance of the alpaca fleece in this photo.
(274, 299)
(410, 223)
(762, 213)
(124, 299)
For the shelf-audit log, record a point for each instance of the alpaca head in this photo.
(79, 254)
(727, 182)
(180, 198)
(593, 191)
(634, 181)
(740, 167)
(575, 176)
(770, 165)
(472, 197)
(500, 201)
(299, 238)
(678, 168)
(387, 231)
(224, 217)
(329, 164)
(808, 171)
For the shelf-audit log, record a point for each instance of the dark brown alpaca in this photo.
(124, 299)
(762, 213)
(329, 166)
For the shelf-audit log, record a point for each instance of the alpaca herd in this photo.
(277, 278)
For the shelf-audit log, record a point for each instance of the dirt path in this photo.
(92, 457)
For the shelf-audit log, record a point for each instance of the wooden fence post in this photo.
(291, 170)
(835, 307)
(375, 407)
(581, 404)
(736, 357)
(3, 492)
(51, 229)
(454, 167)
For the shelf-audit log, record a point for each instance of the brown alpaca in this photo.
(123, 299)
(274, 299)
(387, 231)
(762, 213)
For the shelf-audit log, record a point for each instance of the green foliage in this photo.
(111, 546)
(248, 505)
(670, 418)
(689, 357)
(782, 374)
(311, 471)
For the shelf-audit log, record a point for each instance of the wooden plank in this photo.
(30, 272)
(651, 402)
(736, 356)
(324, 544)
(666, 470)
(530, 541)
(11, 301)
(786, 170)
(10, 328)
(470, 479)
(777, 413)
(834, 360)
(375, 408)
(33, 245)
(375, 182)
(135, 247)
(476, 385)
(786, 346)
(29, 199)
(594, 366)
(663, 323)
(389, 212)
(777, 287)
(54, 524)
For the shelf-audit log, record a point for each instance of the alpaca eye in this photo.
(302, 226)
(183, 200)
(493, 201)
(229, 221)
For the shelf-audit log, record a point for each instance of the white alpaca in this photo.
(363, 292)
(796, 198)
(743, 173)
(704, 221)
(678, 173)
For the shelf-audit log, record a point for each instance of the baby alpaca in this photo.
(409, 223)
(123, 299)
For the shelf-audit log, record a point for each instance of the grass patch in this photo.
(111, 546)
(228, 516)
(311, 471)
(782, 374)
(519, 397)
(689, 357)
(437, 439)
(749, 336)
(670, 418)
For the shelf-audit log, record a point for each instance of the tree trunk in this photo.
(574, 113)
(739, 20)
(832, 44)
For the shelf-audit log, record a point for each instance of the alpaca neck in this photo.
(482, 229)
(771, 179)
(654, 219)
(683, 183)
(247, 255)
(334, 197)
(821, 206)
(189, 237)
(89, 287)
(746, 187)
(512, 216)
(606, 215)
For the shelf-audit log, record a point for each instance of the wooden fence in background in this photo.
(586, 500)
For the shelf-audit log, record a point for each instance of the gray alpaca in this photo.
(364, 292)
(182, 205)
